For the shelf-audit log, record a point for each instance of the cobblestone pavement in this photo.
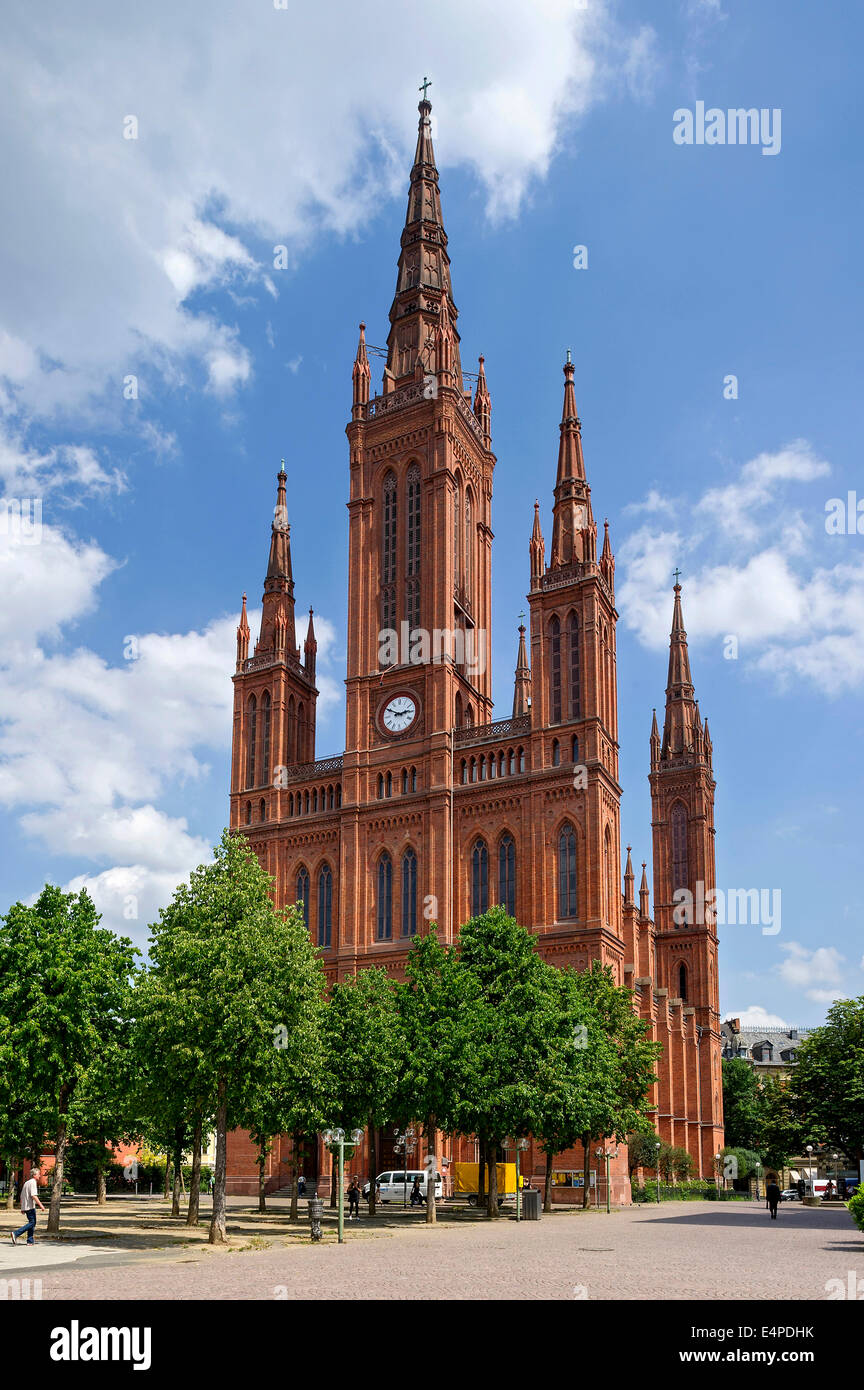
(693, 1250)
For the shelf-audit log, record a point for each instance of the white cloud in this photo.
(245, 141)
(756, 1017)
(755, 567)
(819, 973)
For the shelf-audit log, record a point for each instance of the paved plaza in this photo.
(676, 1251)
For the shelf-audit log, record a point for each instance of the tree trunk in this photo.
(101, 1188)
(431, 1171)
(217, 1223)
(481, 1172)
(296, 1164)
(492, 1156)
(166, 1186)
(195, 1179)
(59, 1162)
(547, 1188)
(178, 1162)
(373, 1165)
(586, 1172)
(263, 1150)
(11, 1172)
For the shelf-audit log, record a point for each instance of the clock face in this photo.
(399, 714)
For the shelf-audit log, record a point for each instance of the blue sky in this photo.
(154, 257)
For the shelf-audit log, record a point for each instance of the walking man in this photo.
(29, 1203)
(772, 1197)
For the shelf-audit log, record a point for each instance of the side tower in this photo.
(574, 710)
(421, 468)
(682, 820)
(274, 692)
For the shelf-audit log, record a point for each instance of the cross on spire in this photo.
(422, 88)
(677, 574)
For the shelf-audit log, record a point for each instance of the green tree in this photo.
(233, 971)
(63, 985)
(782, 1128)
(643, 1147)
(742, 1103)
(828, 1082)
(365, 1053)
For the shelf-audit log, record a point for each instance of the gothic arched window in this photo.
(468, 540)
(682, 982)
(507, 874)
(409, 893)
(388, 555)
(413, 532)
(555, 671)
(291, 739)
(384, 919)
(412, 606)
(266, 704)
(248, 812)
(301, 733)
(303, 893)
(262, 809)
(575, 695)
(457, 716)
(457, 535)
(325, 906)
(567, 906)
(680, 875)
(556, 752)
(479, 879)
(251, 741)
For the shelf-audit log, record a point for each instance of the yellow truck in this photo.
(466, 1181)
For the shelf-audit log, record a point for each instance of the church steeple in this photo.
(522, 690)
(537, 549)
(360, 376)
(242, 636)
(423, 279)
(574, 533)
(682, 731)
(277, 614)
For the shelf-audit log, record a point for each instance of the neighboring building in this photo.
(435, 810)
(770, 1051)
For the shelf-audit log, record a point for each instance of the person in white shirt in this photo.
(29, 1203)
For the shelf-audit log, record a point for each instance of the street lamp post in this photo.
(521, 1145)
(657, 1166)
(335, 1138)
(810, 1168)
(607, 1154)
(758, 1167)
(405, 1145)
(718, 1159)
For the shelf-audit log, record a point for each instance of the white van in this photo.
(396, 1186)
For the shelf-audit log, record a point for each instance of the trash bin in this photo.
(316, 1211)
(531, 1204)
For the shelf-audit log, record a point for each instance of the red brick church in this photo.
(435, 810)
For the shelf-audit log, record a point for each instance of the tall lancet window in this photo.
(388, 554)
(682, 983)
(479, 879)
(325, 906)
(412, 566)
(265, 738)
(251, 741)
(469, 540)
(457, 535)
(507, 874)
(303, 893)
(409, 893)
(384, 925)
(680, 869)
(575, 695)
(555, 671)
(567, 906)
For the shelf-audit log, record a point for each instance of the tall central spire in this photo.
(574, 534)
(423, 278)
(682, 729)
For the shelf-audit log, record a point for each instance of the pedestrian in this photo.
(772, 1197)
(829, 1191)
(354, 1200)
(301, 1186)
(29, 1203)
(416, 1194)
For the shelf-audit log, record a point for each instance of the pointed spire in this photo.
(681, 727)
(483, 404)
(522, 689)
(242, 636)
(629, 880)
(607, 559)
(574, 535)
(538, 550)
(654, 742)
(644, 905)
(423, 280)
(310, 649)
(360, 376)
(278, 599)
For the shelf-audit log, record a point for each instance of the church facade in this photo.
(435, 810)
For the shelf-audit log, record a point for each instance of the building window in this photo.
(555, 674)
(413, 534)
(457, 706)
(457, 537)
(468, 541)
(252, 740)
(682, 982)
(680, 875)
(556, 753)
(291, 739)
(265, 739)
(479, 879)
(575, 749)
(575, 696)
(412, 604)
(507, 874)
(388, 545)
(413, 779)
(263, 809)
(303, 894)
(248, 812)
(384, 923)
(567, 906)
(325, 906)
(409, 893)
